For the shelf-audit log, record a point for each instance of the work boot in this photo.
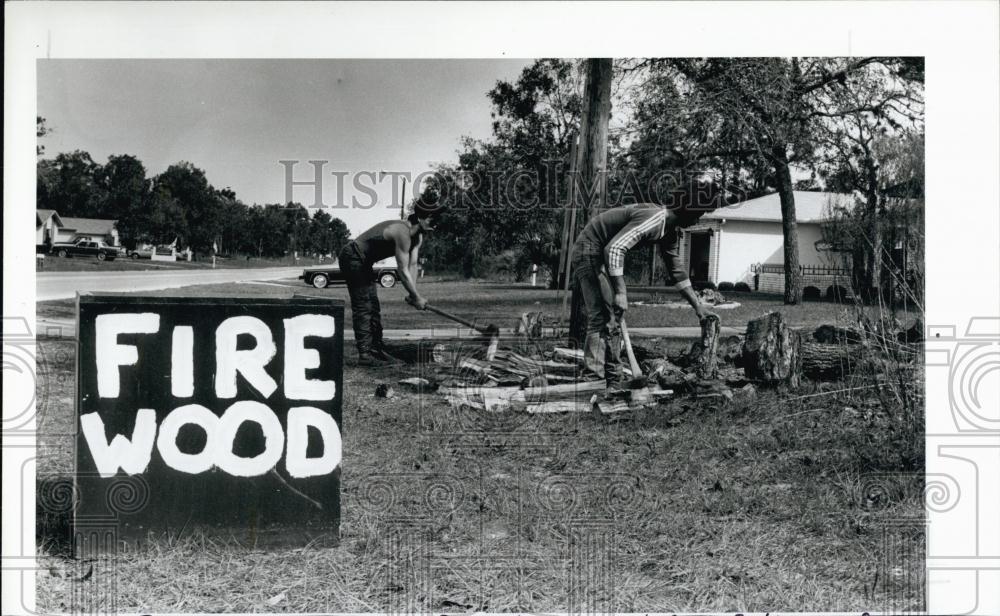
(370, 360)
(381, 353)
(616, 381)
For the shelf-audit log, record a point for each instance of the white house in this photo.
(47, 224)
(51, 228)
(744, 243)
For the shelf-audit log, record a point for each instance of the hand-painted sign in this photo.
(210, 414)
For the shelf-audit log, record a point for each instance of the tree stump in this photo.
(771, 351)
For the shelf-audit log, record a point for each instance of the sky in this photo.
(236, 119)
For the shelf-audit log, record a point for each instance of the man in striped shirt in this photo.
(599, 270)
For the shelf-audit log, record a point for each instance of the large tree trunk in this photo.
(592, 159)
(789, 226)
(771, 351)
(873, 231)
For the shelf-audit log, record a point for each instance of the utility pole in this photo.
(590, 183)
(402, 202)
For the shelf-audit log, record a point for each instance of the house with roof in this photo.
(50, 228)
(47, 223)
(744, 243)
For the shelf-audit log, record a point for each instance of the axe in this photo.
(490, 330)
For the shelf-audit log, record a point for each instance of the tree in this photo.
(767, 107)
(125, 190)
(197, 199)
(327, 235)
(165, 221)
(591, 167)
(68, 185)
(507, 192)
(41, 129)
(863, 128)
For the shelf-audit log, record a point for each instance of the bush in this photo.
(836, 293)
(741, 287)
(726, 286)
(810, 293)
(699, 286)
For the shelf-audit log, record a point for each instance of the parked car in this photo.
(85, 247)
(321, 276)
(141, 253)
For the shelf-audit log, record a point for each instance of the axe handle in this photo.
(456, 319)
(633, 364)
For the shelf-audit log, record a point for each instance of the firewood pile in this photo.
(526, 376)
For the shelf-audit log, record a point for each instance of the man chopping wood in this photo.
(393, 238)
(599, 270)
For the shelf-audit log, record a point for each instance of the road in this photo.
(64, 285)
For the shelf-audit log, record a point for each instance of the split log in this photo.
(530, 325)
(829, 362)
(571, 390)
(706, 366)
(771, 351)
(561, 406)
(422, 352)
(574, 355)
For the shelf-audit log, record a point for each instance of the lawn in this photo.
(782, 501)
(503, 304)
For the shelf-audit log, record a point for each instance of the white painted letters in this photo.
(298, 358)
(132, 456)
(166, 442)
(250, 363)
(296, 462)
(110, 355)
(182, 362)
(230, 422)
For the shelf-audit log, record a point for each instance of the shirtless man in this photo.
(392, 238)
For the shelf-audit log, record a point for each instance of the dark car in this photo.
(85, 247)
(321, 276)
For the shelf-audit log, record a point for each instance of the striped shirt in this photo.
(615, 231)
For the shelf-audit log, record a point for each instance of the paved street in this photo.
(63, 285)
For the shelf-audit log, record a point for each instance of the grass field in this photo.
(783, 501)
(503, 304)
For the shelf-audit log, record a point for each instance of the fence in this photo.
(805, 270)
(830, 282)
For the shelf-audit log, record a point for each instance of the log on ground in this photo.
(829, 362)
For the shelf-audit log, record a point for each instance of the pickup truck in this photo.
(85, 247)
(321, 276)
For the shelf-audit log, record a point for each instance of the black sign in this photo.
(209, 414)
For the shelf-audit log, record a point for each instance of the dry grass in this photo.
(763, 504)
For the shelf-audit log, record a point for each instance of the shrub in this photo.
(836, 293)
(742, 287)
(726, 286)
